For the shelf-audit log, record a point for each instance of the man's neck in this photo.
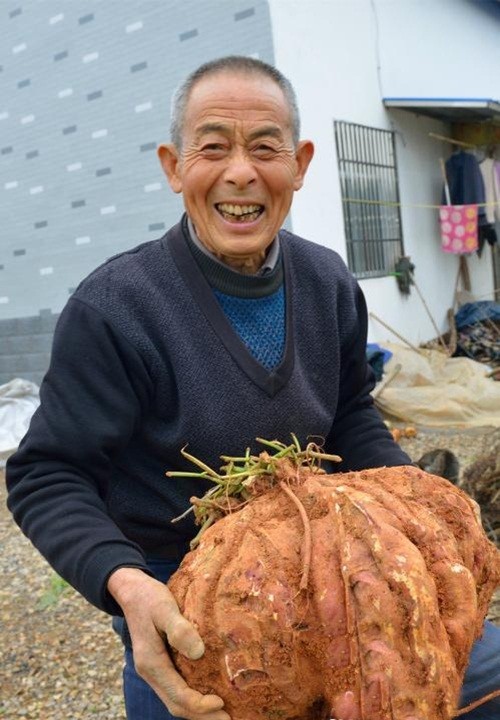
(261, 265)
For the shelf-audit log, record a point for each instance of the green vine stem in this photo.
(232, 489)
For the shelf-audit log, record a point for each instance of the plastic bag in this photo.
(18, 401)
(436, 391)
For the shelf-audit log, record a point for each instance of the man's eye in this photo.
(213, 147)
(264, 150)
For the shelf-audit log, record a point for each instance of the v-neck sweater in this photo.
(144, 362)
(254, 304)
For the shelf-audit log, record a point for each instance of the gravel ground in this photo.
(468, 445)
(59, 658)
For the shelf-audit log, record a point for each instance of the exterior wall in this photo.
(442, 49)
(439, 48)
(436, 271)
(85, 94)
(346, 57)
(86, 89)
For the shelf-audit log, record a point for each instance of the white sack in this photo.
(18, 401)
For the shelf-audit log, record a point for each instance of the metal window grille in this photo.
(368, 178)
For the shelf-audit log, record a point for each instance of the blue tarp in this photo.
(377, 357)
(471, 313)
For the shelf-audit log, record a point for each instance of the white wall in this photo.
(439, 48)
(326, 49)
(336, 54)
(420, 182)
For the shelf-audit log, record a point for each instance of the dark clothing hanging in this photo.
(465, 182)
(486, 234)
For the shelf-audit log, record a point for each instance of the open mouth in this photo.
(239, 213)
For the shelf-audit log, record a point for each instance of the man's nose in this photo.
(240, 170)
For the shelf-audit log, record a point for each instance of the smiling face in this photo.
(238, 167)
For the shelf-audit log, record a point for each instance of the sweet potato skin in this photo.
(400, 581)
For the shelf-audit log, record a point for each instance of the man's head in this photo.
(236, 157)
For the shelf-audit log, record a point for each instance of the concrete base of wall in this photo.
(25, 345)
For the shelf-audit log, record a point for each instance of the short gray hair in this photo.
(236, 64)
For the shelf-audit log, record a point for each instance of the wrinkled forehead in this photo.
(244, 97)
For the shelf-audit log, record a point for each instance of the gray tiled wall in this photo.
(85, 90)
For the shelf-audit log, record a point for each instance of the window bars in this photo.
(370, 198)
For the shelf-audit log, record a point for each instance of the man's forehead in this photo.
(235, 93)
(237, 103)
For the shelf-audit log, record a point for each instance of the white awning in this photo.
(449, 109)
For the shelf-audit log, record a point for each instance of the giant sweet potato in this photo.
(372, 583)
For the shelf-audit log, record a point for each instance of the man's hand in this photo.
(152, 614)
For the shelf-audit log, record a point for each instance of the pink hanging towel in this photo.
(458, 228)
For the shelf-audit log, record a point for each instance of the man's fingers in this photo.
(181, 700)
(183, 636)
(195, 703)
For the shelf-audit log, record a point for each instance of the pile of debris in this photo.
(474, 333)
(478, 333)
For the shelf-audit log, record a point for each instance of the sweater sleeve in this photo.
(91, 399)
(358, 433)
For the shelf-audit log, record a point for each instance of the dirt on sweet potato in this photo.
(356, 593)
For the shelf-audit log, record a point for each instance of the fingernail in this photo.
(196, 650)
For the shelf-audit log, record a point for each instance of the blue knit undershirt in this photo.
(260, 323)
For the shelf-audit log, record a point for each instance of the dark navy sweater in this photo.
(144, 362)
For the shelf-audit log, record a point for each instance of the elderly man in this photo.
(226, 329)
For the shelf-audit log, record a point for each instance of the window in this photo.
(370, 198)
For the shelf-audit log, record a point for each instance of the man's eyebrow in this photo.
(211, 127)
(267, 131)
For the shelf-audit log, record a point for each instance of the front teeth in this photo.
(238, 209)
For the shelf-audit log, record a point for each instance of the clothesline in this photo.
(390, 203)
(491, 292)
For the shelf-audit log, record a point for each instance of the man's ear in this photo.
(169, 159)
(303, 156)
